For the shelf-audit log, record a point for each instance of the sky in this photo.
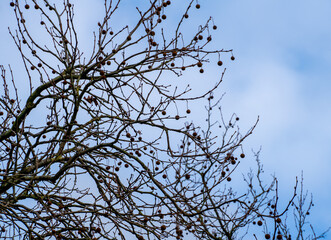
(281, 74)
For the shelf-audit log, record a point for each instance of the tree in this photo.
(113, 153)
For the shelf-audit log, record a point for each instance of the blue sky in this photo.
(281, 73)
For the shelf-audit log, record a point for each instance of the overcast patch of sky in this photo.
(281, 73)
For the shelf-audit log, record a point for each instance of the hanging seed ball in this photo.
(267, 236)
(33, 52)
(233, 58)
(128, 38)
(164, 176)
(159, 20)
(199, 64)
(214, 27)
(187, 176)
(168, 2)
(164, 16)
(108, 167)
(228, 179)
(27, 6)
(174, 53)
(111, 32)
(279, 236)
(242, 155)
(220, 63)
(183, 68)
(36, 7)
(197, 6)
(126, 165)
(188, 111)
(163, 227)
(103, 31)
(156, 168)
(237, 118)
(164, 112)
(259, 223)
(24, 41)
(278, 220)
(158, 162)
(39, 64)
(172, 64)
(185, 15)
(165, 4)
(200, 37)
(33, 68)
(201, 70)
(117, 169)
(209, 38)
(177, 117)
(12, 4)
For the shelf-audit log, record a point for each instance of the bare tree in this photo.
(102, 148)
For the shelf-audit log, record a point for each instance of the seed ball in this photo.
(233, 162)
(33, 68)
(159, 20)
(172, 64)
(219, 63)
(27, 6)
(199, 64)
(39, 64)
(164, 16)
(164, 112)
(126, 165)
(158, 162)
(117, 169)
(33, 52)
(174, 53)
(259, 223)
(12, 4)
(187, 176)
(267, 236)
(42, 23)
(228, 179)
(214, 27)
(177, 117)
(209, 38)
(108, 167)
(233, 58)
(201, 70)
(188, 111)
(197, 6)
(278, 220)
(164, 176)
(103, 31)
(111, 32)
(156, 168)
(163, 227)
(183, 68)
(186, 15)
(24, 41)
(279, 236)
